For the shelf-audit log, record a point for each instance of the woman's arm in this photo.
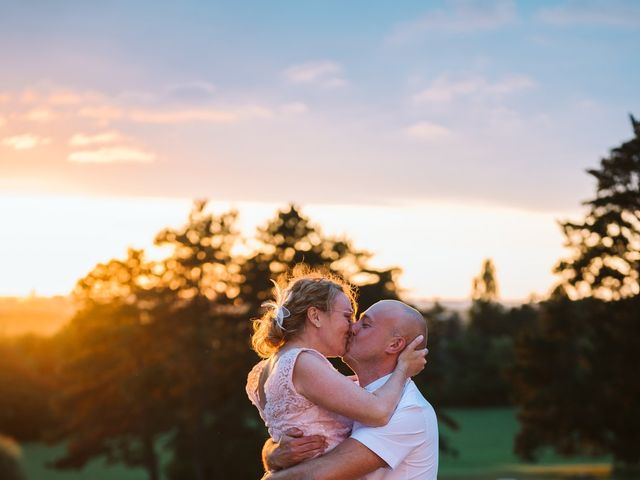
(292, 449)
(326, 387)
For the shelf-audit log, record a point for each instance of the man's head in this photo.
(382, 332)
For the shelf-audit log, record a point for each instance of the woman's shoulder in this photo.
(254, 374)
(299, 358)
(297, 355)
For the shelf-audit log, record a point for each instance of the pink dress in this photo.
(285, 407)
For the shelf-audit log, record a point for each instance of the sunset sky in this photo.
(434, 134)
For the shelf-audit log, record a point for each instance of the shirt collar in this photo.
(377, 383)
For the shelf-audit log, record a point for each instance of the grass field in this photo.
(485, 445)
(484, 442)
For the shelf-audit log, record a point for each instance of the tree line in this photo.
(150, 371)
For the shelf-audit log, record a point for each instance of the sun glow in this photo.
(49, 242)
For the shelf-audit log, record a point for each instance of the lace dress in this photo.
(285, 407)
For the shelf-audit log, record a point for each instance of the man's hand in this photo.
(292, 449)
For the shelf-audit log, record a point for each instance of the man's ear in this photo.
(396, 345)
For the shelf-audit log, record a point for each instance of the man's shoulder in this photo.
(412, 397)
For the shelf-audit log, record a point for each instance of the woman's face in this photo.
(336, 325)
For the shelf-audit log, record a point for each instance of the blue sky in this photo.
(497, 104)
(523, 94)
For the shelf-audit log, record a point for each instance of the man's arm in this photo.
(292, 449)
(348, 461)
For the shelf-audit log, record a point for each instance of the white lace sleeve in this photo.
(253, 383)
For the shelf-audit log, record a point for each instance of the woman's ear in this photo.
(313, 315)
(396, 345)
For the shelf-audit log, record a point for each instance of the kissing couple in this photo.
(322, 424)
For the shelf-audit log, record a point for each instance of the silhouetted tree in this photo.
(10, 468)
(160, 348)
(208, 350)
(606, 244)
(113, 377)
(575, 380)
(27, 383)
(290, 239)
(443, 327)
(574, 376)
(485, 285)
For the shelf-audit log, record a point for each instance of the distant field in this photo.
(484, 442)
(485, 445)
(39, 315)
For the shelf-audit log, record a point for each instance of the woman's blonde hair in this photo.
(305, 288)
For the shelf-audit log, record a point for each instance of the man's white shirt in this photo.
(408, 443)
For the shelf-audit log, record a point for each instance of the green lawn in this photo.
(36, 456)
(485, 445)
(484, 442)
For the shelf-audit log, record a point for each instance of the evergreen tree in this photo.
(606, 244)
(575, 381)
(574, 376)
(487, 316)
(485, 285)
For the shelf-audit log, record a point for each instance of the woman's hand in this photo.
(412, 361)
(293, 449)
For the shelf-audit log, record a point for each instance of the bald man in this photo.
(405, 448)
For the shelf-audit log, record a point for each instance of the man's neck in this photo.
(370, 373)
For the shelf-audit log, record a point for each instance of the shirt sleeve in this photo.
(394, 441)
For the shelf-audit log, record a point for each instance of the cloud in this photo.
(461, 16)
(323, 73)
(82, 140)
(41, 115)
(106, 114)
(444, 90)
(294, 108)
(101, 113)
(193, 92)
(428, 131)
(161, 109)
(594, 12)
(3, 122)
(112, 155)
(182, 116)
(50, 97)
(26, 141)
(62, 98)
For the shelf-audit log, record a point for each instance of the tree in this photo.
(291, 239)
(574, 376)
(160, 349)
(10, 468)
(606, 245)
(207, 330)
(485, 285)
(487, 345)
(487, 316)
(113, 376)
(575, 380)
(27, 382)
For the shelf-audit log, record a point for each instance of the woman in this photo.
(295, 385)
